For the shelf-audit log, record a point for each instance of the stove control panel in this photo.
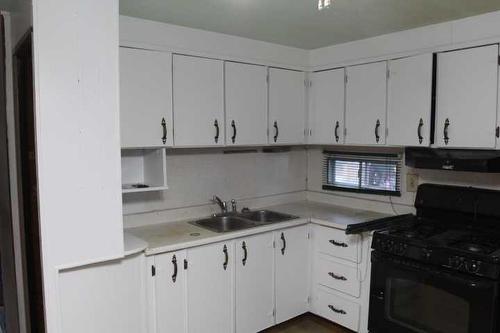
(391, 246)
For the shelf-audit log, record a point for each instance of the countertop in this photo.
(173, 236)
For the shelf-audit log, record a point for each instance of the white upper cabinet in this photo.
(286, 106)
(292, 267)
(254, 283)
(246, 104)
(410, 101)
(145, 98)
(327, 107)
(210, 288)
(366, 104)
(198, 91)
(467, 88)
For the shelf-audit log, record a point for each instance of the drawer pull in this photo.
(339, 311)
(337, 277)
(339, 244)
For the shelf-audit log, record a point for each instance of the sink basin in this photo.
(224, 223)
(267, 216)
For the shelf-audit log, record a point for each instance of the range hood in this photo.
(453, 159)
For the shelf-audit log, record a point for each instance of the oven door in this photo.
(407, 296)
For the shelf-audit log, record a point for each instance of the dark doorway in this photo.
(9, 314)
(28, 184)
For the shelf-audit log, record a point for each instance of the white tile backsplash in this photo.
(195, 176)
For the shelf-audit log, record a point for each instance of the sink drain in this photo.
(194, 234)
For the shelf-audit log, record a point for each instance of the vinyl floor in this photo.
(307, 323)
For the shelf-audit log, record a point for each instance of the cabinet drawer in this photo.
(337, 309)
(337, 276)
(336, 243)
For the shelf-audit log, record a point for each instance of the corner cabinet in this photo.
(246, 104)
(145, 98)
(467, 89)
(410, 101)
(286, 107)
(198, 101)
(327, 107)
(366, 104)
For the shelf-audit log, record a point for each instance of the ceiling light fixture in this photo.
(324, 4)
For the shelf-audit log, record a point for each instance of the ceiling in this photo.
(298, 22)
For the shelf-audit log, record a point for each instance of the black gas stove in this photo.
(446, 257)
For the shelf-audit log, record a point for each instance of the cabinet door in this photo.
(366, 93)
(170, 292)
(467, 97)
(286, 106)
(145, 98)
(246, 104)
(210, 288)
(292, 267)
(410, 101)
(326, 116)
(254, 283)
(198, 101)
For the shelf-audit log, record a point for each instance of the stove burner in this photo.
(474, 247)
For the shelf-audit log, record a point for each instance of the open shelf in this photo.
(144, 170)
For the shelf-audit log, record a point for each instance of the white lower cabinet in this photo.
(292, 272)
(254, 282)
(210, 288)
(338, 309)
(341, 277)
(248, 284)
(169, 295)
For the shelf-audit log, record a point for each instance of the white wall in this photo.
(77, 134)
(195, 176)
(479, 29)
(381, 203)
(141, 33)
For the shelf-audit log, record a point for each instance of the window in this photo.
(362, 173)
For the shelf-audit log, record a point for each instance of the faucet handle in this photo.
(233, 206)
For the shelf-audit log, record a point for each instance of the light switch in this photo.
(411, 182)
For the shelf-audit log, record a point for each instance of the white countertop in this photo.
(173, 236)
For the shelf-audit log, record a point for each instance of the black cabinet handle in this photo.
(174, 262)
(337, 277)
(233, 125)
(216, 124)
(377, 135)
(445, 131)
(334, 309)
(339, 244)
(164, 127)
(284, 243)
(419, 130)
(245, 253)
(276, 131)
(226, 257)
(337, 137)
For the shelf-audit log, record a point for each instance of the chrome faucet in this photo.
(222, 204)
(233, 206)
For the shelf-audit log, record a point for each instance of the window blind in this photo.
(362, 172)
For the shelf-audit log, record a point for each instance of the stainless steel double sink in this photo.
(239, 221)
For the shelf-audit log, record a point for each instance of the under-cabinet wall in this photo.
(194, 176)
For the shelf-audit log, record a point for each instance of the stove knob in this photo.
(426, 254)
(455, 262)
(472, 266)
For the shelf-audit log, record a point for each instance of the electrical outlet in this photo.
(411, 183)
